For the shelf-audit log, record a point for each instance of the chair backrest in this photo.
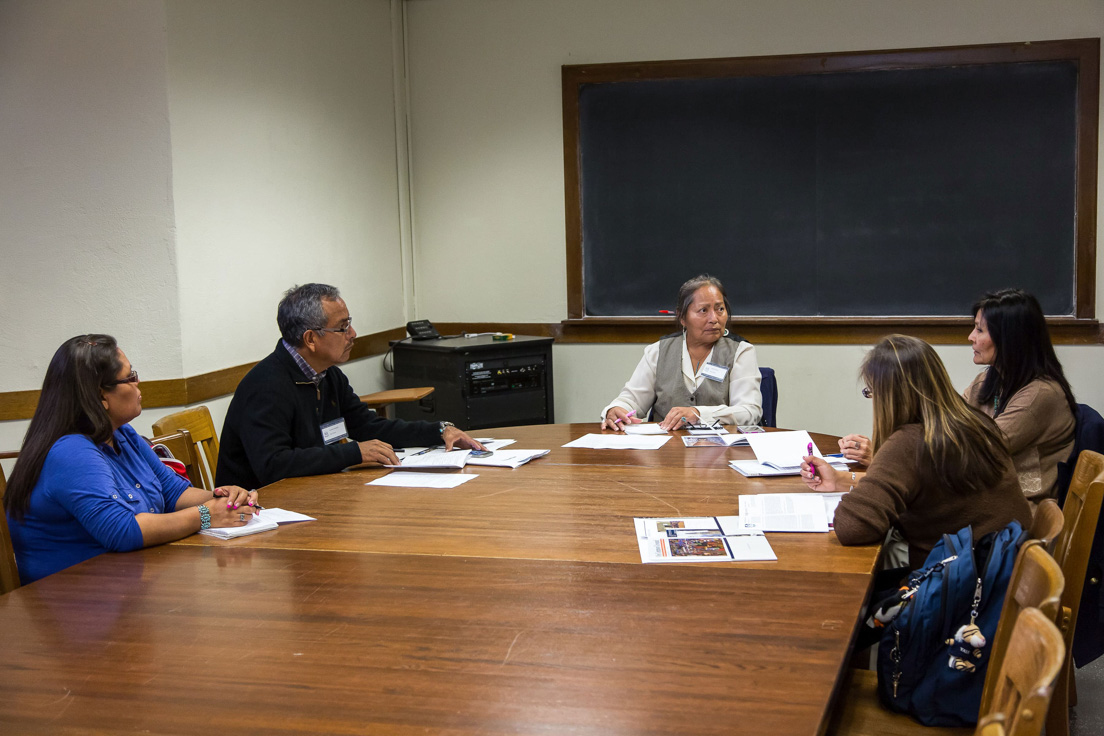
(1072, 548)
(1027, 675)
(9, 573)
(183, 448)
(768, 386)
(196, 420)
(1048, 523)
(1036, 582)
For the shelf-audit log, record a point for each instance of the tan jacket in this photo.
(1038, 424)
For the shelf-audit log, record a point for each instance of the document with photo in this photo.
(699, 539)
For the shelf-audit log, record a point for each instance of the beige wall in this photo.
(175, 164)
(487, 163)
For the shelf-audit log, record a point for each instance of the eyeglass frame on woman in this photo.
(132, 377)
(867, 392)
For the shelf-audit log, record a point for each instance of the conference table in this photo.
(515, 603)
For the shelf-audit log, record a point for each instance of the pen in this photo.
(812, 468)
(665, 311)
(630, 415)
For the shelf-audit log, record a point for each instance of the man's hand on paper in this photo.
(378, 451)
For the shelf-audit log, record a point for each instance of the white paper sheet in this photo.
(706, 432)
(714, 440)
(649, 428)
(784, 512)
(508, 458)
(620, 442)
(782, 449)
(492, 444)
(413, 479)
(280, 516)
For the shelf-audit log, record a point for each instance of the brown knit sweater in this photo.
(1038, 424)
(891, 494)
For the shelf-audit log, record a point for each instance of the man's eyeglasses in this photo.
(131, 378)
(341, 330)
(867, 392)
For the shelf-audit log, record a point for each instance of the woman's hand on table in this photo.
(225, 514)
(679, 416)
(237, 496)
(856, 447)
(617, 417)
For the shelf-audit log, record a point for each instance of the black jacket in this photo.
(273, 428)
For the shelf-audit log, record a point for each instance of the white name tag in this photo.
(714, 372)
(334, 431)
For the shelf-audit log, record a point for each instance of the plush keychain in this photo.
(888, 608)
(968, 641)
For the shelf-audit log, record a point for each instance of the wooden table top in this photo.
(514, 604)
(571, 505)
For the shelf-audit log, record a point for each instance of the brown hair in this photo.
(962, 446)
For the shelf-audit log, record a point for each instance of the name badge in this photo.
(714, 372)
(334, 431)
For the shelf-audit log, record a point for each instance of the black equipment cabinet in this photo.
(479, 382)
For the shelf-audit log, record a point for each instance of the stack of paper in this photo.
(432, 458)
(507, 458)
(619, 442)
(265, 520)
(700, 539)
(782, 450)
(714, 440)
(753, 469)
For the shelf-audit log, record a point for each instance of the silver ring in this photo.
(241, 517)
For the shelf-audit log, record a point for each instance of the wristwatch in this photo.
(204, 517)
(446, 424)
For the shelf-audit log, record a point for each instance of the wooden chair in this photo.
(183, 448)
(197, 421)
(1048, 523)
(1036, 582)
(1026, 680)
(1072, 550)
(382, 401)
(9, 573)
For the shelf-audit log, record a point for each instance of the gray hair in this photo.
(301, 310)
(686, 296)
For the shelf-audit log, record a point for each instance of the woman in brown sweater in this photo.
(1024, 388)
(939, 464)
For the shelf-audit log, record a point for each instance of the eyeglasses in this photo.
(867, 392)
(131, 378)
(341, 330)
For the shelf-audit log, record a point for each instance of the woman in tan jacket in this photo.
(1023, 388)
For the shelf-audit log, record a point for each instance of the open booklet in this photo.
(263, 521)
(700, 539)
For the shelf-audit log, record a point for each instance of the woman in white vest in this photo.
(701, 374)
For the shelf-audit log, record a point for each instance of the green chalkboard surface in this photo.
(867, 185)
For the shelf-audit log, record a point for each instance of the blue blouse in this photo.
(85, 501)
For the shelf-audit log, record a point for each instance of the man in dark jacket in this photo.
(291, 410)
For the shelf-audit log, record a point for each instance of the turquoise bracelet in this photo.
(204, 517)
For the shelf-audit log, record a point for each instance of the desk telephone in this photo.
(422, 329)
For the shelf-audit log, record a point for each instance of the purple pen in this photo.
(812, 468)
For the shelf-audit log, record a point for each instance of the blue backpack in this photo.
(934, 654)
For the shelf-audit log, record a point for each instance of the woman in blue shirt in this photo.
(86, 483)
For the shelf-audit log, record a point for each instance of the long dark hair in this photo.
(1019, 333)
(963, 448)
(70, 403)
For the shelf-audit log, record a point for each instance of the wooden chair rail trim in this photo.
(16, 405)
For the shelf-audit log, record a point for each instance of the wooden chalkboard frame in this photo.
(1081, 327)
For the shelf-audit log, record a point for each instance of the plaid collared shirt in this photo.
(311, 374)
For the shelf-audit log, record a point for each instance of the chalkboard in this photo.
(870, 185)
